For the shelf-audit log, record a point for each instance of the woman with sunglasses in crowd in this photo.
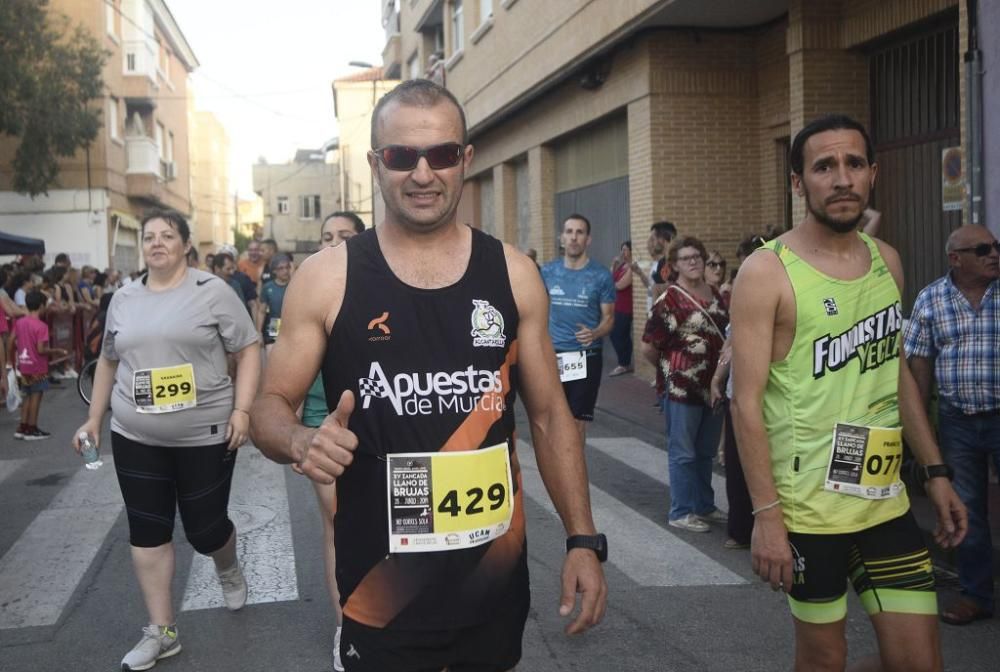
(177, 419)
(683, 338)
(715, 273)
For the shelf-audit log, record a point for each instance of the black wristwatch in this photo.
(598, 543)
(929, 471)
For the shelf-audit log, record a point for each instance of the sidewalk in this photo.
(631, 399)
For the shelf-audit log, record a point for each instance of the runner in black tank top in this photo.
(425, 367)
(424, 329)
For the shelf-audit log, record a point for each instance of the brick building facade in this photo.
(673, 110)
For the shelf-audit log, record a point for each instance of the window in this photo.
(160, 131)
(113, 119)
(439, 39)
(170, 147)
(111, 16)
(309, 207)
(457, 26)
(282, 205)
(413, 67)
(166, 64)
(485, 10)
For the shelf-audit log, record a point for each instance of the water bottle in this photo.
(91, 458)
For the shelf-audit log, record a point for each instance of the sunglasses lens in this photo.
(444, 156)
(398, 157)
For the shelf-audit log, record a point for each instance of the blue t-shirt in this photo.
(575, 297)
(272, 296)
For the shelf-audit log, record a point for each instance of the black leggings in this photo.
(157, 480)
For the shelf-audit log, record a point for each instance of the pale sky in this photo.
(266, 68)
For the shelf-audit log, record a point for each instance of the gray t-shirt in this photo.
(195, 323)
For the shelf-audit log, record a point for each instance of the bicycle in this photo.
(85, 382)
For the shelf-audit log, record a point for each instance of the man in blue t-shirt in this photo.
(581, 313)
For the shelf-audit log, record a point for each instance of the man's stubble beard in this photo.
(416, 226)
(835, 225)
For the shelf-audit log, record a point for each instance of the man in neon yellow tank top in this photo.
(821, 393)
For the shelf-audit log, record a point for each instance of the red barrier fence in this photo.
(67, 331)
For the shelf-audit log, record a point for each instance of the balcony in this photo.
(143, 156)
(144, 173)
(392, 62)
(139, 67)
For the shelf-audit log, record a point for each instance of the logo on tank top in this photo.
(830, 306)
(438, 392)
(487, 326)
(378, 330)
(873, 340)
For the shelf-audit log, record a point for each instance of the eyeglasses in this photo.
(405, 158)
(689, 258)
(982, 249)
(716, 264)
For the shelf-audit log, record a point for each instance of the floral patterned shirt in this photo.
(689, 343)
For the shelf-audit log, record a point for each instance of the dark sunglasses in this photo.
(716, 264)
(982, 249)
(402, 157)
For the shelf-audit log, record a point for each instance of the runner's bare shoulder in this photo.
(317, 286)
(761, 279)
(525, 280)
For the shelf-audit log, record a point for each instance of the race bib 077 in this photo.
(448, 500)
(865, 461)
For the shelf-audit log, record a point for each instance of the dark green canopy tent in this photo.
(11, 244)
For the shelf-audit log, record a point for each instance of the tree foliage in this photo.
(49, 76)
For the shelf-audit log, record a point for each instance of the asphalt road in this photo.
(678, 601)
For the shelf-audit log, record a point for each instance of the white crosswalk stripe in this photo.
(647, 553)
(40, 572)
(258, 506)
(651, 461)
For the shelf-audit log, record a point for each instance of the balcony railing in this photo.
(143, 156)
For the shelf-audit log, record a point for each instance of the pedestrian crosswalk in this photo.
(646, 552)
(43, 569)
(258, 506)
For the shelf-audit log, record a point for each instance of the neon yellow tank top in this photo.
(842, 368)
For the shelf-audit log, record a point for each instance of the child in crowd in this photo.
(31, 338)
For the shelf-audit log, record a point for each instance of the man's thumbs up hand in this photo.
(329, 449)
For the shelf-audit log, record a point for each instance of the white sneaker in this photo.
(158, 641)
(234, 587)
(70, 373)
(337, 665)
(691, 523)
(717, 516)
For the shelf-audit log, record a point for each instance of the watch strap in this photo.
(598, 543)
(929, 471)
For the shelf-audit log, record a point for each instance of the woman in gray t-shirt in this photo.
(176, 419)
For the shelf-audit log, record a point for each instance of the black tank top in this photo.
(431, 370)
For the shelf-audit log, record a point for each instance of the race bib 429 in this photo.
(448, 500)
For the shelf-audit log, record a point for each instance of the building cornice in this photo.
(166, 22)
